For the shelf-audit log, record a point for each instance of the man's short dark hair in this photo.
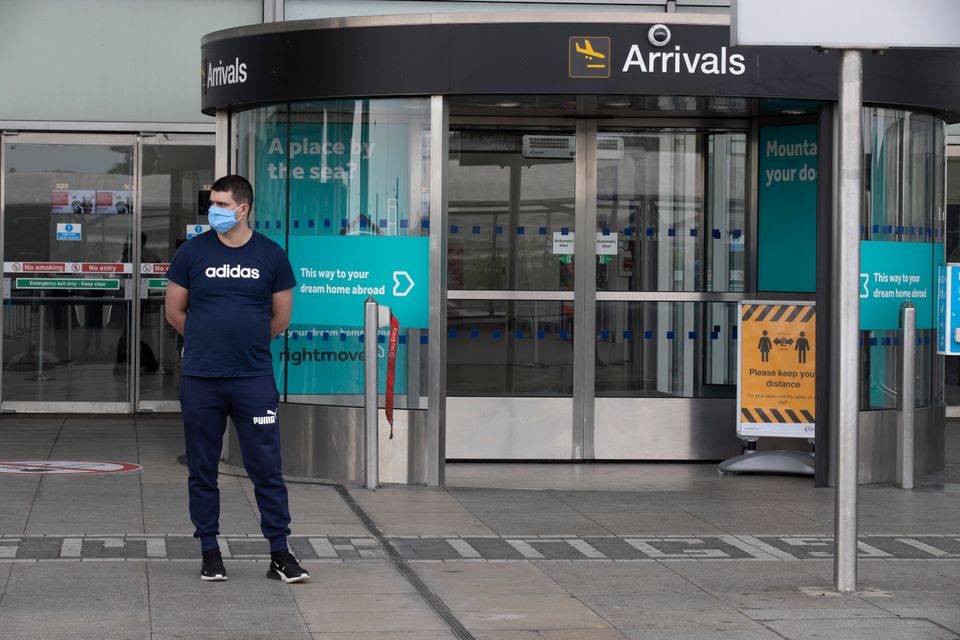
(238, 187)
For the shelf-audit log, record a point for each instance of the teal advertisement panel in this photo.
(787, 233)
(335, 194)
(336, 274)
(890, 274)
(344, 178)
(948, 309)
(329, 361)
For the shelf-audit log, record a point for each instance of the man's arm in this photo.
(175, 305)
(280, 315)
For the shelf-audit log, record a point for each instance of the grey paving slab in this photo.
(377, 577)
(532, 619)
(550, 634)
(749, 516)
(375, 621)
(438, 524)
(5, 569)
(62, 599)
(694, 616)
(532, 523)
(947, 617)
(248, 603)
(74, 577)
(641, 578)
(866, 629)
(653, 523)
(387, 635)
(764, 585)
(112, 634)
(227, 635)
(452, 579)
(702, 634)
(318, 504)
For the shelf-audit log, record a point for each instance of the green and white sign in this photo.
(68, 283)
(892, 273)
(337, 273)
(156, 283)
(787, 233)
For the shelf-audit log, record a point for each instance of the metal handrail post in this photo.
(908, 348)
(370, 409)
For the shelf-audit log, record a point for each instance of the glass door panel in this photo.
(510, 275)
(511, 210)
(177, 175)
(67, 223)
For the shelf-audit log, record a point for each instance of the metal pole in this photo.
(848, 308)
(908, 347)
(43, 325)
(69, 314)
(370, 410)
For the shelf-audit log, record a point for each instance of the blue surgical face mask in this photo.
(222, 220)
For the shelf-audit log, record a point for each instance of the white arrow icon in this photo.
(396, 283)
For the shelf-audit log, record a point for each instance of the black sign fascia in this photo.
(511, 58)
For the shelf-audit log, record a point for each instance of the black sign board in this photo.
(265, 65)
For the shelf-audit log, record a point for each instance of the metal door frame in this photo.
(99, 139)
(585, 296)
(165, 140)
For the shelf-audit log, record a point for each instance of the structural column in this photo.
(848, 311)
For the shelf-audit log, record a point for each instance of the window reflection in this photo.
(509, 348)
(666, 349)
(904, 196)
(510, 205)
(325, 173)
(674, 204)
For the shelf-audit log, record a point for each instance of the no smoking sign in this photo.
(64, 467)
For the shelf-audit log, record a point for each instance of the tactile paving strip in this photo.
(481, 548)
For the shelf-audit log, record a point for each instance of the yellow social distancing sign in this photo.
(776, 389)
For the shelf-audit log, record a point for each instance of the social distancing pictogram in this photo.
(777, 381)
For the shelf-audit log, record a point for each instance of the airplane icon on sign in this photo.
(588, 50)
(589, 56)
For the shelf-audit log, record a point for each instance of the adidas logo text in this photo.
(227, 271)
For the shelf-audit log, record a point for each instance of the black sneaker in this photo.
(212, 569)
(283, 566)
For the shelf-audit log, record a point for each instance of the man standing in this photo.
(229, 292)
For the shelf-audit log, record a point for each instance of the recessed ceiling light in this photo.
(508, 104)
(793, 112)
(617, 104)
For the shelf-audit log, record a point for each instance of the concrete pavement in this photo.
(506, 552)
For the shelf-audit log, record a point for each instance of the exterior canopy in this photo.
(498, 54)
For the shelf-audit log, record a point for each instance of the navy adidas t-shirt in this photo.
(230, 303)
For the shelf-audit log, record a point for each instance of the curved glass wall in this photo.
(903, 220)
(342, 185)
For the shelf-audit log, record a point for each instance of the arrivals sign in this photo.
(777, 369)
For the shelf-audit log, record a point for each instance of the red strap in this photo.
(391, 368)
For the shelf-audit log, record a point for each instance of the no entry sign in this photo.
(64, 467)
